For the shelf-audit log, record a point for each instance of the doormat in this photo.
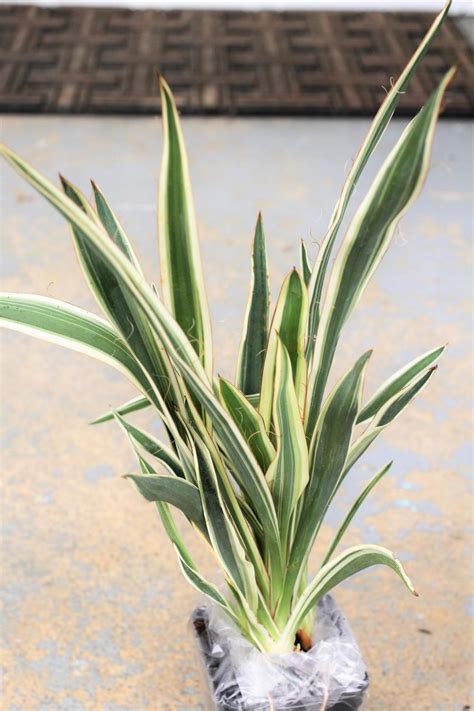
(104, 61)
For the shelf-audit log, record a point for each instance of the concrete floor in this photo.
(95, 610)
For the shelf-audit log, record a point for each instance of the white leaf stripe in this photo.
(223, 535)
(288, 324)
(150, 444)
(244, 467)
(115, 300)
(249, 422)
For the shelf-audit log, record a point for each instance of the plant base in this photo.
(330, 677)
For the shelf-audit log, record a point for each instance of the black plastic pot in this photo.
(224, 692)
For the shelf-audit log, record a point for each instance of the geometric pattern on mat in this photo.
(104, 60)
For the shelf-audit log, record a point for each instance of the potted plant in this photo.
(255, 464)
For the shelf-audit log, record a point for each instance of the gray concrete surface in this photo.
(95, 610)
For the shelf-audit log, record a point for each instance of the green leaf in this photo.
(172, 490)
(328, 451)
(113, 227)
(395, 188)
(166, 328)
(206, 588)
(164, 512)
(305, 264)
(181, 270)
(376, 131)
(288, 473)
(244, 467)
(397, 382)
(71, 327)
(255, 330)
(133, 405)
(118, 304)
(223, 536)
(150, 444)
(354, 509)
(384, 417)
(249, 422)
(254, 399)
(289, 323)
(351, 561)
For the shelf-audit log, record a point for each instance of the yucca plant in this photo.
(253, 465)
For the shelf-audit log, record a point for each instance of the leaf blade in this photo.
(249, 422)
(134, 405)
(395, 188)
(377, 129)
(288, 474)
(288, 324)
(59, 322)
(171, 490)
(353, 510)
(181, 269)
(384, 417)
(398, 382)
(328, 452)
(255, 329)
(351, 561)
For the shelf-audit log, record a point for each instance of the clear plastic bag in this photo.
(332, 676)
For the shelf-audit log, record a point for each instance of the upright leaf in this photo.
(165, 327)
(223, 536)
(181, 270)
(305, 264)
(249, 422)
(115, 299)
(396, 186)
(288, 323)
(113, 227)
(328, 452)
(244, 467)
(376, 131)
(288, 473)
(255, 330)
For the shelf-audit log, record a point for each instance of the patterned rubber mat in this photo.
(103, 60)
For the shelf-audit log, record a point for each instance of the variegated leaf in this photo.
(288, 473)
(376, 131)
(181, 270)
(289, 323)
(255, 330)
(395, 188)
